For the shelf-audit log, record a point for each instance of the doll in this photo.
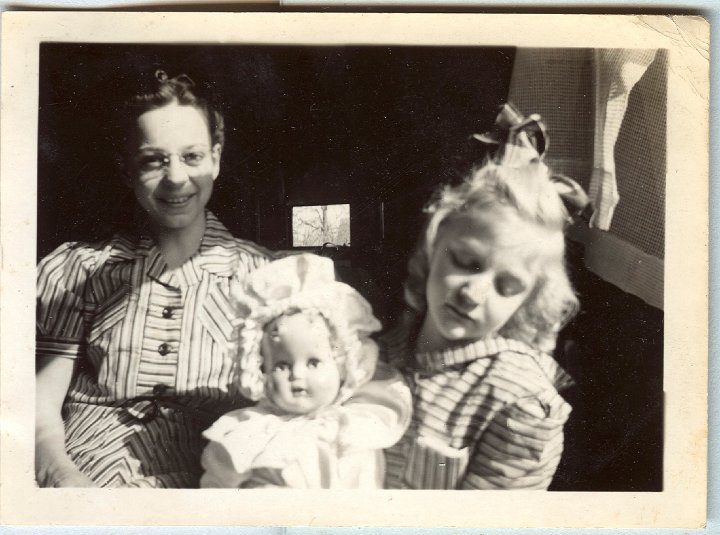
(306, 354)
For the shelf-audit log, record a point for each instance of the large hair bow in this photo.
(520, 140)
(512, 129)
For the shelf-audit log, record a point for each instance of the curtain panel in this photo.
(606, 111)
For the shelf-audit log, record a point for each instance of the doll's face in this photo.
(484, 266)
(302, 375)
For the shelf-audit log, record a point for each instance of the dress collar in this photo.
(436, 361)
(213, 255)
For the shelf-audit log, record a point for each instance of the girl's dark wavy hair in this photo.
(159, 90)
(528, 191)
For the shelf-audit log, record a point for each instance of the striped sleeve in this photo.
(522, 445)
(61, 278)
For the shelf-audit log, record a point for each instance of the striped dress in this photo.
(485, 416)
(138, 329)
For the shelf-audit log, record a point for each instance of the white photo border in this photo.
(682, 503)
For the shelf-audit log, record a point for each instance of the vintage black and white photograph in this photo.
(380, 266)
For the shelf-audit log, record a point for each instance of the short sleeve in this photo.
(522, 445)
(61, 278)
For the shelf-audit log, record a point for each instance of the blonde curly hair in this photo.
(529, 192)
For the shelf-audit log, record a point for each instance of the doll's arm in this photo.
(378, 414)
(220, 472)
(236, 439)
(521, 447)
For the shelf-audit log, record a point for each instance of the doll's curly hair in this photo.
(529, 192)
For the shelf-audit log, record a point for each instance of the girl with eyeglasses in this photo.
(134, 333)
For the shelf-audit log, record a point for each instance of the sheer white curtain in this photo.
(616, 71)
(606, 117)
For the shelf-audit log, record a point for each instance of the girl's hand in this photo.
(72, 478)
(66, 476)
(53, 466)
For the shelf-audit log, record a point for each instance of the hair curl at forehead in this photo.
(527, 191)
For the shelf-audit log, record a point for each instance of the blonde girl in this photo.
(487, 293)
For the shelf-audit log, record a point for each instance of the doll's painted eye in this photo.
(313, 362)
(281, 366)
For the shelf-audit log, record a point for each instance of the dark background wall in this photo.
(380, 128)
